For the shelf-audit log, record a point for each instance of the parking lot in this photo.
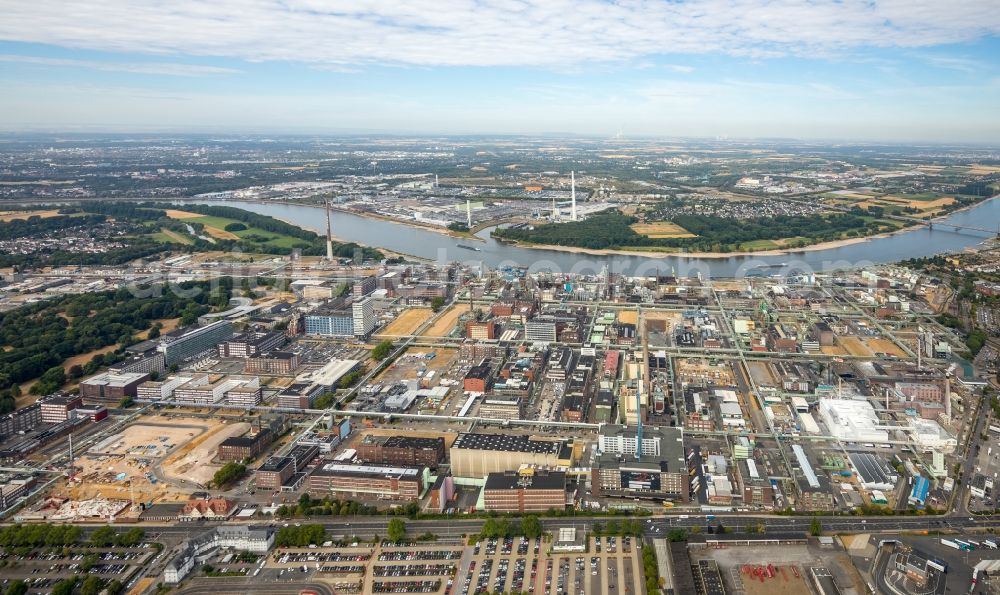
(609, 565)
(41, 570)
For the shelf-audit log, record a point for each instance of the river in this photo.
(438, 247)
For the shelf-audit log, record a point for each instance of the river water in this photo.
(442, 248)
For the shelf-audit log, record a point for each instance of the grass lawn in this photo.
(759, 245)
(167, 236)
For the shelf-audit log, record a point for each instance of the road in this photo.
(654, 526)
(238, 586)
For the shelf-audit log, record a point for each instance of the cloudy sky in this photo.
(898, 70)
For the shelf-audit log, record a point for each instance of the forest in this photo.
(611, 229)
(36, 339)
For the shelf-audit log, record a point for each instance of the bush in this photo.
(235, 227)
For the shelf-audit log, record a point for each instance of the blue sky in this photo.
(902, 70)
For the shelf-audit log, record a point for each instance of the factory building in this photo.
(851, 421)
(475, 455)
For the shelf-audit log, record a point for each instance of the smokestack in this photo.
(435, 180)
(572, 186)
(468, 213)
(638, 418)
(329, 235)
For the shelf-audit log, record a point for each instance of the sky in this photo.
(896, 70)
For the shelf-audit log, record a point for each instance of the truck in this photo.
(965, 545)
(951, 544)
(990, 544)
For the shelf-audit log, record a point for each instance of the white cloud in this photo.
(164, 68)
(342, 34)
(679, 68)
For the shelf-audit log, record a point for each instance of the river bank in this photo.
(707, 255)
(832, 245)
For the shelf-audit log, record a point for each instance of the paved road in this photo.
(654, 526)
(222, 586)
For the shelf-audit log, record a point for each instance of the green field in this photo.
(759, 245)
(251, 234)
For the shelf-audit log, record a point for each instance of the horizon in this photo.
(883, 72)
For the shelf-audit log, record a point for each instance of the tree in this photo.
(229, 473)
(91, 585)
(126, 402)
(816, 526)
(437, 303)
(114, 587)
(531, 527)
(382, 350)
(235, 227)
(324, 400)
(102, 537)
(17, 587)
(65, 586)
(678, 534)
(396, 531)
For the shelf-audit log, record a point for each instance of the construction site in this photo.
(160, 459)
(774, 568)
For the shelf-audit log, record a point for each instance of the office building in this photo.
(526, 490)
(274, 472)
(540, 331)
(181, 344)
(480, 330)
(364, 286)
(363, 316)
(20, 421)
(250, 344)
(300, 395)
(479, 377)
(382, 482)
(56, 408)
(275, 363)
(14, 487)
(110, 387)
(401, 450)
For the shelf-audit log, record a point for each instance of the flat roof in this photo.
(369, 470)
(508, 443)
(536, 480)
